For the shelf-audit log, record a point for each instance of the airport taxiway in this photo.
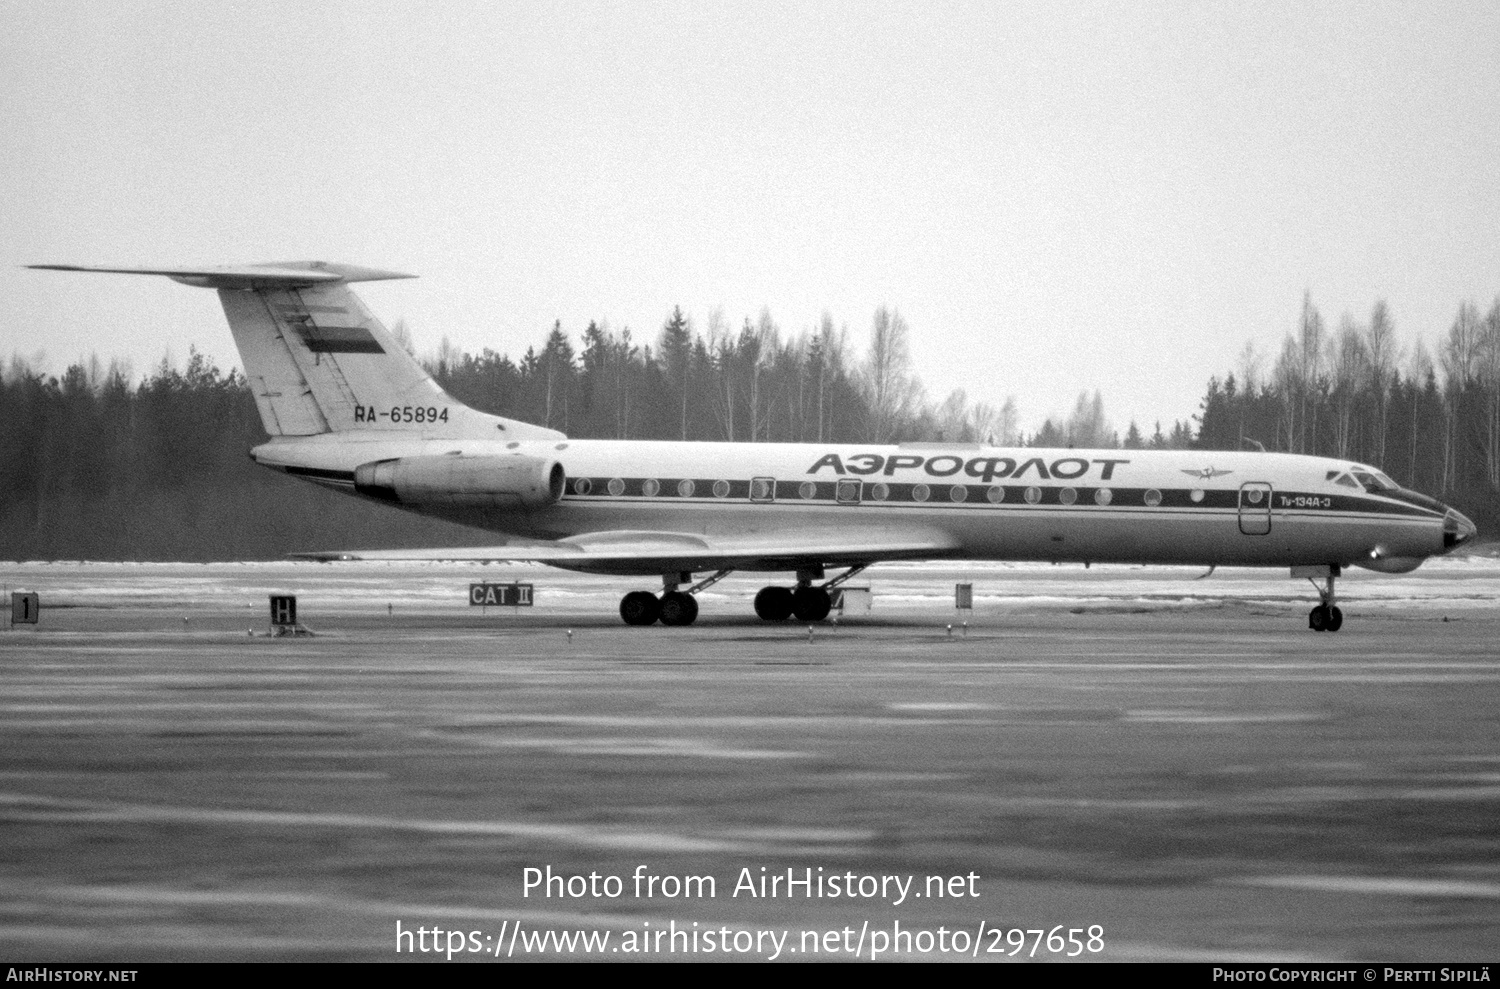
(1179, 762)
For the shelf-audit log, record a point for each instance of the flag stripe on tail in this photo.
(339, 340)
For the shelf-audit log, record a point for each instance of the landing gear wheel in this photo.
(1326, 617)
(811, 604)
(774, 604)
(678, 608)
(640, 608)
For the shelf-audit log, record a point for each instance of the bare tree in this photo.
(1489, 375)
(1007, 424)
(1288, 379)
(1382, 352)
(890, 389)
(721, 353)
(402, 333)
(1418, 370)
(1460, 361)
(953, 418)
(1250, 363)
(1349, 364)
(1309, 372)
(1087, 426)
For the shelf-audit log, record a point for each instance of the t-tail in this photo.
(319, 362)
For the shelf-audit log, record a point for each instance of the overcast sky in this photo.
(1057, 196)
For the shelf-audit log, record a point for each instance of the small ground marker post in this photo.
(25, 607)
(284, 616)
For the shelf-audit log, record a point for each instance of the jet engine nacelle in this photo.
(487, 482)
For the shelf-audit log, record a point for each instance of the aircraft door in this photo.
(1255, 508)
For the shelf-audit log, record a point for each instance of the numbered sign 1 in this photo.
(25, 607)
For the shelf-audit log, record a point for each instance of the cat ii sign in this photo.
(500, 595)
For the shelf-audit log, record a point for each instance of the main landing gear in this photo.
(1327, 616)
(808, 603)
(673, 607)
(804, 602)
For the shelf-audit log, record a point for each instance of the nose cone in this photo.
(1457, 530)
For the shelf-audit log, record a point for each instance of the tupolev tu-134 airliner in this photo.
(345, 406)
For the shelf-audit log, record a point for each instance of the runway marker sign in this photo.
(283, 610)
(25, 607)
(500, 595)
(963, 597)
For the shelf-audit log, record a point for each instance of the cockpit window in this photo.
(1343, 479)
(1373, 481)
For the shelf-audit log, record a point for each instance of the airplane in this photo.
(345, 406)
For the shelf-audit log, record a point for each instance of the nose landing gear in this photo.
(1327, 616)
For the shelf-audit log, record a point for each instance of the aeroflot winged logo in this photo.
(1207, 473)
(985, 469)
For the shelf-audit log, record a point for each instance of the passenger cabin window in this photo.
(847, 491)
(763, 489)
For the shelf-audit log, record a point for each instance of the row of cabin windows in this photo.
(763, 489)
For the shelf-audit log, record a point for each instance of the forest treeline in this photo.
(1430, 418)
(97, 466)
(751, 384)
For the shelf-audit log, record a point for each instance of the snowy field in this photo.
(900, 591)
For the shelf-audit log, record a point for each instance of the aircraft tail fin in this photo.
(319, 362)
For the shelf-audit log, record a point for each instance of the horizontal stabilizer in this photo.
(284, 274)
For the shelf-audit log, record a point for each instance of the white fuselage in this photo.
(968, 501)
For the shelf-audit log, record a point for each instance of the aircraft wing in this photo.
(626, 553)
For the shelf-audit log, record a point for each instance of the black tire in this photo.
(1335, 618)
(811, 604)
(678, 608)
(1317, 619)
(640, 608)
(774, 604)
